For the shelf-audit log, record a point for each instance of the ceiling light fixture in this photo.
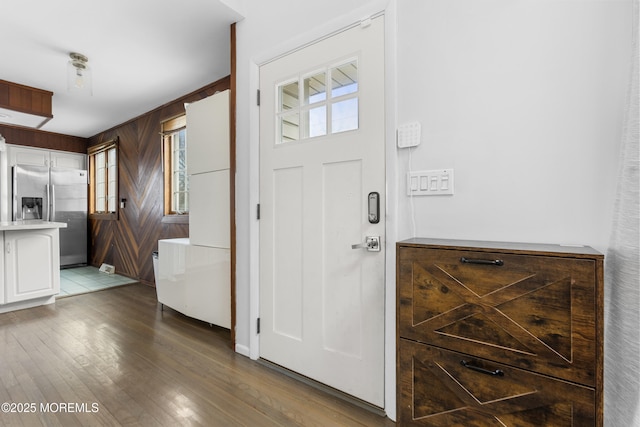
(79, 75)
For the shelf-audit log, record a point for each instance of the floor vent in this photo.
(106, 268)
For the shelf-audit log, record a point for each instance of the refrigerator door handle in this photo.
(14, 192)
(52, 202)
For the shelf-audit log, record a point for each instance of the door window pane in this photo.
(344, 79)
(290, 127)
(315, 89)
(344, 115)
(288, 95)
(316, 119)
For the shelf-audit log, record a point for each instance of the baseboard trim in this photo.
(323, 387)
(243, 350)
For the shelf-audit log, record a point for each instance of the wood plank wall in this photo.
(128, 242)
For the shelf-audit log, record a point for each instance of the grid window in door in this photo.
(319, 103)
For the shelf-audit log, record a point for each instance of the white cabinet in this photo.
(208, 134)
(2, 269)
(194, 274)
(194, 280)
(31, 264)
(209, 215)
(209, 169)
(19, 155)
(60, 159)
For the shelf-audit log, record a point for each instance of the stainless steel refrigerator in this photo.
(55, 194)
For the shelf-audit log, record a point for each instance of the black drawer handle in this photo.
(467, 365)
(497, 262)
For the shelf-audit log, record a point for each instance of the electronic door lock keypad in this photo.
(374, 207)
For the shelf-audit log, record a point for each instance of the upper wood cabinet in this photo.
(25, 99)
(208, 134)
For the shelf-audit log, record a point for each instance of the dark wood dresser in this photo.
(499, 334)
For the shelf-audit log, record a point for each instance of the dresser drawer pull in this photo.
(467, 365)
(497, 262)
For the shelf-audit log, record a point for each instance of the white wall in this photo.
(523, 98)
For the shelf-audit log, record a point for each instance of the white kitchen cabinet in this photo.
(208, 134)
(61, 159)
(209, 215)
(2, 269)
(19, 155)
(31, 264)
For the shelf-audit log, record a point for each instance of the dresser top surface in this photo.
(482, 245)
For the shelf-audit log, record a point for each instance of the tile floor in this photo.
(80, 280)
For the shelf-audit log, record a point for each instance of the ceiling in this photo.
(142, 54)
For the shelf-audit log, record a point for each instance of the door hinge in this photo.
(258, 97)
(258, 325)
(258, 211)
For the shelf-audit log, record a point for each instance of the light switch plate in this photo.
(435, 182)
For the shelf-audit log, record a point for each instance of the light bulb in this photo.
(79, 81)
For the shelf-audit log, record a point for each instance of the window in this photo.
(321, 103)
(103, 169)
(176, 180)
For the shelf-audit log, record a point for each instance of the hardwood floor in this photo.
(112, 358)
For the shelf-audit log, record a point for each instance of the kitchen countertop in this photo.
(30, 225)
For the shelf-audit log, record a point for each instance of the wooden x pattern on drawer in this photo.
(524, 309)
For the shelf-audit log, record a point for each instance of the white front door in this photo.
(321, 158)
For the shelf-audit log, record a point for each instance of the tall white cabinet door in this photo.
(209, 211)
(208, 134)
(32, 266)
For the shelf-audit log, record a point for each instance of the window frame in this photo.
(104, 147)
(169, 128)
(296, 120)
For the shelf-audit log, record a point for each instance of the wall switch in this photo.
(408, 135)
(436, 182)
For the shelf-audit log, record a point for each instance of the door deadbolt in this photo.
(374, 207)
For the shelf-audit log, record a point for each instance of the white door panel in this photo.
(322, 302)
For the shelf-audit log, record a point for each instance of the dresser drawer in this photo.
(435, 388)
(534, 311)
